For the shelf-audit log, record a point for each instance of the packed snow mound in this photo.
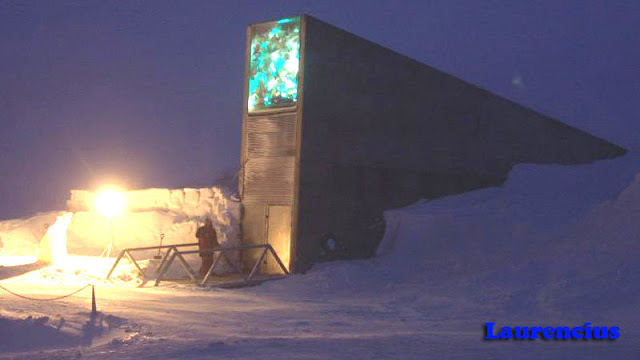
(594, 263)
(21, 237)
(614, 226)
(150, 214)
(532, 214)
(550, 238)
(190, 202)
(176, 213)
(606, 242)
(53, 246)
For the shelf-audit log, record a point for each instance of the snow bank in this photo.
(613, 227)
(32, 333)
(21, 237)
(538, 207)
(53, 246)
(554, 240)
(190, 202)
(176, 213)
(599, 258)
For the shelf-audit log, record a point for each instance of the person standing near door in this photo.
(207, 239)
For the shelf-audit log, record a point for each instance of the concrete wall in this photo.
(347, 201)
(380, 130)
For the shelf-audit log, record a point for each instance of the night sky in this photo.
(149, 93)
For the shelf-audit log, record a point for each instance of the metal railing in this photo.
(173, 253)
(127, 252)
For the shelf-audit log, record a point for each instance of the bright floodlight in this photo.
(110, 203)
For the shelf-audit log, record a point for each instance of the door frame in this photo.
(266, 262)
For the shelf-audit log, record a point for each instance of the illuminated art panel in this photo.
(274, 64)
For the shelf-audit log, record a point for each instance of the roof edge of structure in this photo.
(613, 151)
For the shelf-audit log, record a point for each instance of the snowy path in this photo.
(303, 317)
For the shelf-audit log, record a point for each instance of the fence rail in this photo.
(127, 252)
(173, 253)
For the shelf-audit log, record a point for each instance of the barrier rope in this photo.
(50, 299)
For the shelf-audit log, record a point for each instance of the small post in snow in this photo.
(94, 309)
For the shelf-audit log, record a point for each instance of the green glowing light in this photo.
(274, 65)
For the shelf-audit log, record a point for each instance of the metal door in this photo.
(278, 235)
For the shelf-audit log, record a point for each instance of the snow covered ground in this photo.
(555, 246)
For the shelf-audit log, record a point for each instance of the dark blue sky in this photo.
(149, 93)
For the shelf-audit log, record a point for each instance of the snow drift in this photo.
(20, 238)
(53, 246)
(539, 211)
(176, 213)
(554, 241)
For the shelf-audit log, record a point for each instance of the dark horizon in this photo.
(149, 94)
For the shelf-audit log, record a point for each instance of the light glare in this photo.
(110, 203)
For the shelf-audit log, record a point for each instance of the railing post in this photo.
(215, 262)
(186, 266)
(275, 255)
(130, 257)
(115, 264)
(159, 278)
(164, 259)
(257, 264)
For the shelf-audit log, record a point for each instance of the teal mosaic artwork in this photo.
(274, 64)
